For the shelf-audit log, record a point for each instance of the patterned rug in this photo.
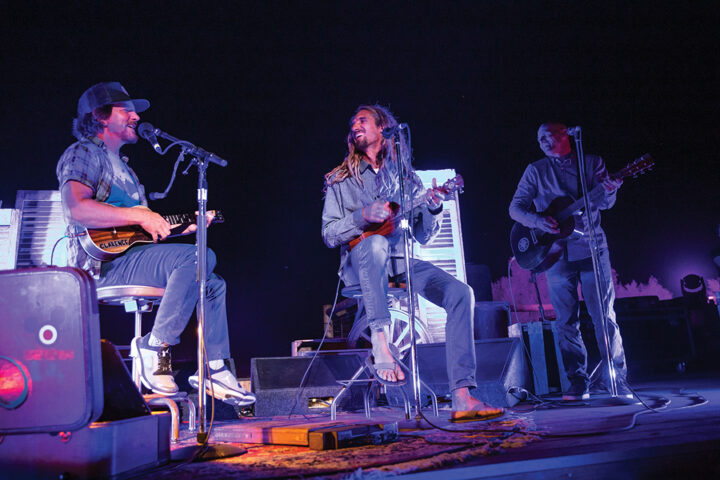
(415, 450)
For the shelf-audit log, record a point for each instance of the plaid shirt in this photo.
(87, 162)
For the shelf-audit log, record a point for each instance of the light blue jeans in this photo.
(563, 278)
(367, 266)
(173, 267)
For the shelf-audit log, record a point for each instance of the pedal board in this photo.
(333, 438)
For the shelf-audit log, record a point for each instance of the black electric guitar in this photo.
(537, 250)
(107, 243)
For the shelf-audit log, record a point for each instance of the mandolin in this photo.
(390, 224)
(107, 243)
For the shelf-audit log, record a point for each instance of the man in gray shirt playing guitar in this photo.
(359, 196)
(544, 188)
(100, 190)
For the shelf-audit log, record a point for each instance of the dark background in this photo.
(270, 86)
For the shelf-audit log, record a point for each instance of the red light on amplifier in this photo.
(15, 382)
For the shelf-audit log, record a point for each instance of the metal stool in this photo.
(399, 339)
(139, 299)
(399, 329)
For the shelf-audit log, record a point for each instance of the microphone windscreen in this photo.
(145, 129)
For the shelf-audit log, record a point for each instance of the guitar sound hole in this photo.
(523, 244)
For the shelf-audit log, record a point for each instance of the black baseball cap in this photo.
(107, 93)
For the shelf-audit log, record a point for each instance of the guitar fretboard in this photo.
(180, 218)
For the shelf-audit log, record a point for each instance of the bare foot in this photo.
(463, 401)
(381, 354)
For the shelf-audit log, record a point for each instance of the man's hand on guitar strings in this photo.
(377, 212)
(548, 224)
(434, 196)
(210, 215)
(612, 184)
(154, 224)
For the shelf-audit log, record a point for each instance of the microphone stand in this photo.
(201, 158)
(406, 225)
(576, 133)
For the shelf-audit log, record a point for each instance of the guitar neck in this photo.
(180, 218)
(595, 195)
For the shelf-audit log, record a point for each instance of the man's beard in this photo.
(361, 143)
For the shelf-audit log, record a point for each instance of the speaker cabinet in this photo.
(276, 382)
(658, 336)
(491, 320)
(56, 377)
(49, 350)
(501, 366)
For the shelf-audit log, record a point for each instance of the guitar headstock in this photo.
(217, 216)
(638, 166)
(454, 184)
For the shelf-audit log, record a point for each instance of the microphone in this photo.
(573, 131)
(149, 133)
(390, 131)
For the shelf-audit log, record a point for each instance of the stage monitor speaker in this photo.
(276, 383)
(122, 398)
(657, 338)
(491, 320)
(480, 279)
(103, 449)
(50, 360)
(502, 367)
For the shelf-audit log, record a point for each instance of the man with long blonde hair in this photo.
(358, 195)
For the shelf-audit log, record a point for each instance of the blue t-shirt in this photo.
(124, 191)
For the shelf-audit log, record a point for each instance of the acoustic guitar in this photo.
(537, 250)
(108, 243)
(391, 223)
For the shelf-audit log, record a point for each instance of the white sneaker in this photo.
(155, 366)
(225, 387)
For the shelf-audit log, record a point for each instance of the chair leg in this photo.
(136, 360)
(433, 397)
(191, 413)
(366, 401)
(406, 404)
(346, 385)
(174, 414)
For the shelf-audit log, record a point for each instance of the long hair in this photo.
(89, 125)
(387, 177)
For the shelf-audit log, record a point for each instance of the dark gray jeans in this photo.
(563, 278)
(367, 266)
(173, 267)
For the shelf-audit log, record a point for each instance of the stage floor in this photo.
(680, 439)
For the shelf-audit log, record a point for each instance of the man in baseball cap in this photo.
(97, 101)
(100, 190)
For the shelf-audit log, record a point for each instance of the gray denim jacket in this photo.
(342, 219)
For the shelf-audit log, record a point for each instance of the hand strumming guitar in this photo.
(548, 224)
(153, 223)
(434, 196)
(377, 212)
(156, 225)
